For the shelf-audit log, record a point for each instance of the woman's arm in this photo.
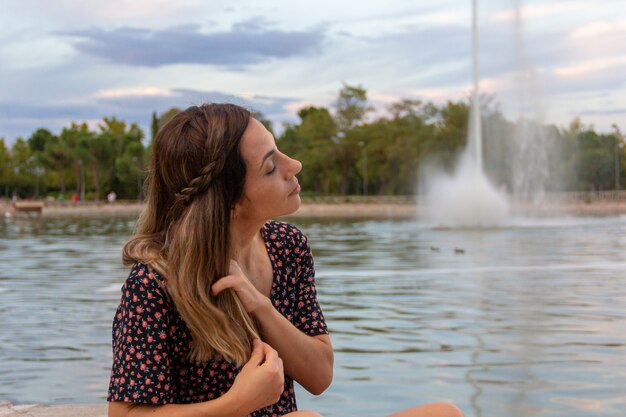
(307, 359)
(220, 407)
(259, 384)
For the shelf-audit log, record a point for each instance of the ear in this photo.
(236, 208)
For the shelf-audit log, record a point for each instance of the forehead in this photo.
(256, 142)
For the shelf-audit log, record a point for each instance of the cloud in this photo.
(441, 56)
(599, 112)
(591, 67)
(244, 44)
(133, 91)
(133, 105)
(601, 28)
(540, 11)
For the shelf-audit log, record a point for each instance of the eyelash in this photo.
(272, 171)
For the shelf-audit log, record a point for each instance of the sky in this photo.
(69, 60)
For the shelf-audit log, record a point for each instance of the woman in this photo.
(219, 313)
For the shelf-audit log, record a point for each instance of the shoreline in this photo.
(376, 210)
(65, 410)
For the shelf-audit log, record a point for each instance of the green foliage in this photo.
(154, 126)
(351, 106)
(37, 141)
(592, 160)
(21, 167)
(340, 149)
(264, 121)
(314, 142)
(5, 168)
(166, 117)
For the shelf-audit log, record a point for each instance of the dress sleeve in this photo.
(141, 364)
(307, 314)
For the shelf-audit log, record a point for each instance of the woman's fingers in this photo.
(269, 352)
(234, 267)
(258, 355)
(229, 281)
(274, 366)
(261, 380)
(233, 262)
(271, 357)
(247, 293)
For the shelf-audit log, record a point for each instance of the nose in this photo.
(296, 166)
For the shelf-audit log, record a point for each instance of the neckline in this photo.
(265, 235)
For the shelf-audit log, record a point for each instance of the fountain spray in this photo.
(466, 198)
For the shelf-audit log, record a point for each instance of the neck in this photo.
(245, 237)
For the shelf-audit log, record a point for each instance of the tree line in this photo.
(348, 148)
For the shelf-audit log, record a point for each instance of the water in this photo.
(465, 197)
(528, 321)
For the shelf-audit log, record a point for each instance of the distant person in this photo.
(111, 197)
(62, 198)
(75, 198)
(219, 314)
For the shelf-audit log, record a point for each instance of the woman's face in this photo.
(271, 187)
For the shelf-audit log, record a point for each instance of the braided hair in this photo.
(196, 176)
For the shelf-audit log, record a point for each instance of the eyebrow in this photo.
(267, 155)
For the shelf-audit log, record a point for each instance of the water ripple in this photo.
(528, 321)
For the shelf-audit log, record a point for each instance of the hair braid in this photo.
(202, 182)
(197, 174)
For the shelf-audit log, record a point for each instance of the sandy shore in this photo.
(377, 209)
(88, 410)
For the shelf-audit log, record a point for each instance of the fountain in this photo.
(531, 162)
(466, 198)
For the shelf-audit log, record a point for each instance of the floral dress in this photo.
(151, 341)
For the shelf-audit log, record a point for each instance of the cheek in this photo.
(257, 190)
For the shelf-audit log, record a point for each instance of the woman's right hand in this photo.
(261, 380)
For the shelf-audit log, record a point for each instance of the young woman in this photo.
(219, 314)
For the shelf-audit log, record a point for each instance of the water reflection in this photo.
(525, 321)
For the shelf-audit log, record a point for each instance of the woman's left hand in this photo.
(250, 297)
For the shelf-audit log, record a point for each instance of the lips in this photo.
(295, 190)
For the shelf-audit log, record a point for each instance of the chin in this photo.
(292, 207)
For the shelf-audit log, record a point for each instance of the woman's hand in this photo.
(261, 381)
(250, 297)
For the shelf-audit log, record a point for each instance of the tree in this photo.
(264, 121)
(70, 156)
(37, 141)
(22, 165)
(351, 107)
(154, 126)
(109, 152)
(404, 108)
(332, 146)
(5, 167)
(450, 135)
(57, 157)
(312, 142)
(129, 172)
(167, 116)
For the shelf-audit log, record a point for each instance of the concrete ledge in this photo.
(33, 410)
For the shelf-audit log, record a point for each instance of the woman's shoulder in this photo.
(284, 233)
(144, 280)
(289, 241)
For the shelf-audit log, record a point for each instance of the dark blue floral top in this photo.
(151, 341)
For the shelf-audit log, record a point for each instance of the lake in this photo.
(524, 320)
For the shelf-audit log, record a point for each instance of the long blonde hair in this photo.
(196, 176)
